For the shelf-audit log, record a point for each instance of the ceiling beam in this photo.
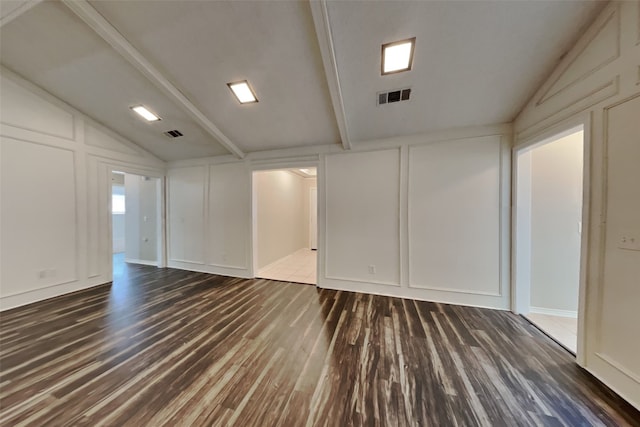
(17, 11)
(110, 34)
(325, 40)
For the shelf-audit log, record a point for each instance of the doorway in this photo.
(285, 224)
(135, 221)
(549, 176)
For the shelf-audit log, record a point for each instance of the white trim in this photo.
(554, 312)
(78, 117)
(141, 261)
(581, 121)
(322, 26)
(161, 201)
(623, 384)
(211, 269)
(414, 294)
(275, 159)
(110, 34)
(19, 10)
(280, 165)
(48, 292)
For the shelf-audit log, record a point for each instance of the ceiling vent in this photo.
(173, 133)
(394, 96)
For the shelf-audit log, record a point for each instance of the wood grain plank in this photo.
(163, 347)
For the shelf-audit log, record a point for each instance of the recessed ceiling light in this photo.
(243, 92)
(145, 113)
(398, 56)
(310, 172)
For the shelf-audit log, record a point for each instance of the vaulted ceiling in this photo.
(315, 66)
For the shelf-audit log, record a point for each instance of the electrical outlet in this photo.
(372, 269)
(629, 240)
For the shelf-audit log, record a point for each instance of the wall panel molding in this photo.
(484, 301)
(599, 94)
(611, 19)
(638, 23)
(23, 108)
(604, 214)
(37, 137)
(210, 269)
(93, 137)
(618, 366)
(392, 168)
(417, 283)
(356, 280)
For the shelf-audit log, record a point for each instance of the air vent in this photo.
(394, 96)
(173, 133)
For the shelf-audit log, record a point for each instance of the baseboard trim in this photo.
(141, 261)
(49, 292)
(554, 312)
(480, 301)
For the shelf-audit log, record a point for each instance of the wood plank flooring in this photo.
(176, 348)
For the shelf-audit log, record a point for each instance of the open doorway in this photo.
(285, 224)
(135, 221)
(549, 215)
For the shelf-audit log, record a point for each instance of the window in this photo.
(117, 200)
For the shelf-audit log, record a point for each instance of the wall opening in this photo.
(549, 214)
(285, 225)
(135, 221)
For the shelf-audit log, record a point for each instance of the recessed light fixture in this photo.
(310, 172)
(243, 92)
(145, 113)
(398, 56)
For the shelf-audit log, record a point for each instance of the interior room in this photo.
(285, 212)
(135, 206)
(550, 176)
(472, 167)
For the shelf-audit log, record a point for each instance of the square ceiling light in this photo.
(243, 92)
(398, 56)
(145, 113)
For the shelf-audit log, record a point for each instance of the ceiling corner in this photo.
(112, 36)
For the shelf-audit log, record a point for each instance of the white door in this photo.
(313, 218)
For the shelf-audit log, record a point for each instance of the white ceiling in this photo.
(49, 46)
(476, 63)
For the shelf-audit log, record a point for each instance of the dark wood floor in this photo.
(175, 348)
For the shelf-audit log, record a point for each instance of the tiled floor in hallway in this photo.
(562, 329)
(298, 267)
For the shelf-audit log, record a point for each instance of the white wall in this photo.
(141, 219)
(427, 219)
(362, 217)
(387, 204)
(280, 214)
(55, 181)
(598, 84)
(556, 216)
(209, 208)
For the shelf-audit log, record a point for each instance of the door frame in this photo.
(311, 231)
(161, 235)
(520, 287)
(273, 166)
